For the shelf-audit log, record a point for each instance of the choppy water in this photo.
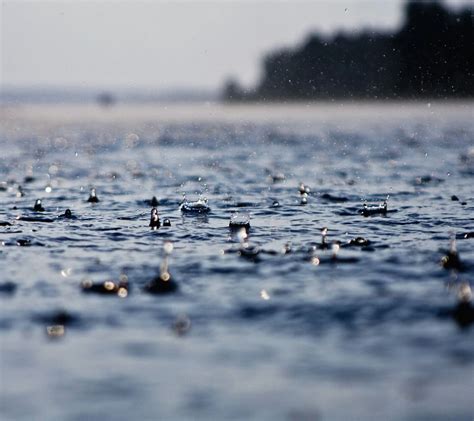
(277, 337)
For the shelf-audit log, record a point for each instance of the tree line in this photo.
(430, 56)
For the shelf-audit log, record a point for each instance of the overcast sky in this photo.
(165, 45)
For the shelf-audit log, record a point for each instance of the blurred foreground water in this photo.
(284, 332)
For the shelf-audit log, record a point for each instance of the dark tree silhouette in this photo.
(431, 55)
(233, 91)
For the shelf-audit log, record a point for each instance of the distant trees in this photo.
(431, 55)
(436, 51)
(233, 91)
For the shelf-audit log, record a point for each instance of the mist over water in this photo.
(274, 329)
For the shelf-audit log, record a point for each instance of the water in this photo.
(275, 336)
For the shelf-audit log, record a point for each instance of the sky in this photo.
(164, 45)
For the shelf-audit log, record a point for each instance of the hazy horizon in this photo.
(140, 46)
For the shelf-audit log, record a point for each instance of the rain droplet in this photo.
(131, 140)
(53, 169)
(264, 295)
(66, 272)
(168, 247)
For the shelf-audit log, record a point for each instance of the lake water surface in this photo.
(287, 334)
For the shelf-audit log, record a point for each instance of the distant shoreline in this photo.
(316, 114)
(221, 102)
(429, 57)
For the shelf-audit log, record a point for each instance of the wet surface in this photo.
(265, 319)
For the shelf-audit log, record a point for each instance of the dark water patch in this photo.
(8, 231)
(6, 324)
(225, 270)
(465, 236)
(153, 202)
(62, 198)
(467, 172)
(427, 180)
(313, 319)
(462, 314)
(169, 202)
(105, 229)
(347, 212)
(8, 288)
(58, 317)
(34, 219)
(117, 236)
(161, 285)
(334, 199)
(85, 246)
(253, 312)
(132, 218)
(27, 242)
(231, 203)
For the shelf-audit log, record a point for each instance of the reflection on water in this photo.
(279, 301)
